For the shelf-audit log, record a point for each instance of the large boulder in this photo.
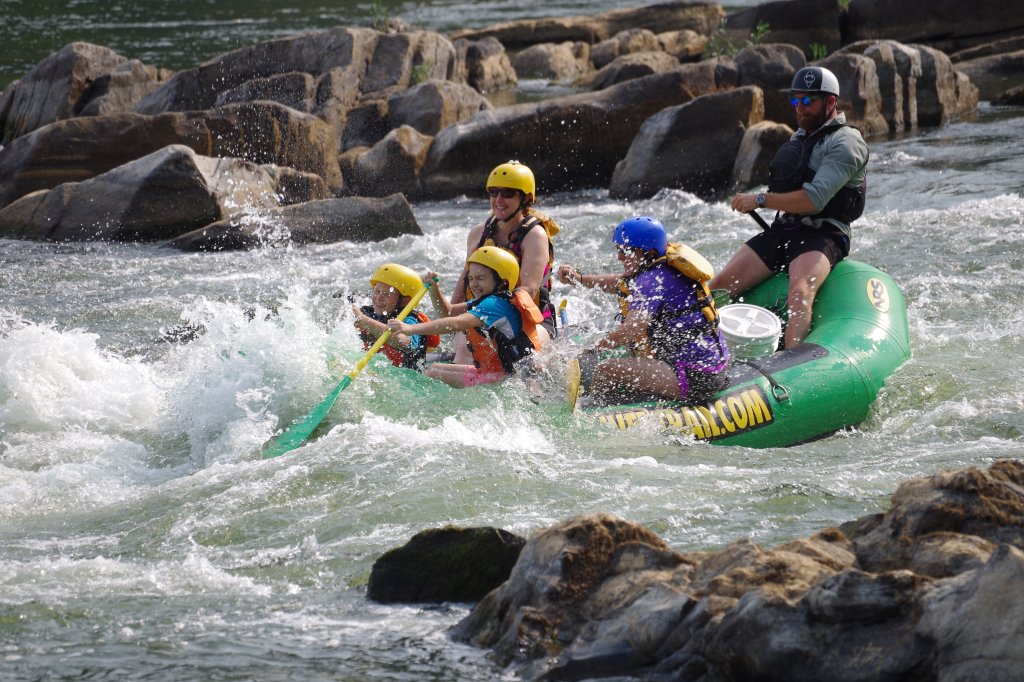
(392, 165)
(121, 89)
(597, 596)
(431, 106)
(624, 42)
(553, 61)
(483, 65)
(944, 94)
(56, 88)
(692, 146)
(899, 72)
(859, 92)
(357, 219)
(294, 89)
(771, 67)
(702, 17)
(378, 63)
(994, 74)
(558, 569)
(947, 25)
(757, 149)
(76, 149)
(808, 24)
(684, 44)
(445, 565)
(159, 196)
(915, 83)
(629, 66)
(584, 135)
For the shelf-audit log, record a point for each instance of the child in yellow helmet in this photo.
(500, 327)
(392, 286)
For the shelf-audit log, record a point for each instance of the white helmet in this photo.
(815, 79)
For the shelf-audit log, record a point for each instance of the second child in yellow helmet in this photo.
(514, 224)
(500, 326)
(392, 287)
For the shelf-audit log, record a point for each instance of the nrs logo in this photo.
(878, 295)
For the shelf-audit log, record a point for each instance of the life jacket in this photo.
(493, 352)
(661, 336)
(789, 170)
(412, 358)
(515, 245)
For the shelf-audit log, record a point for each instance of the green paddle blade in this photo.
(296, 434)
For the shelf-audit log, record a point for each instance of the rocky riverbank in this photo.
(929, 590)
(678, 94)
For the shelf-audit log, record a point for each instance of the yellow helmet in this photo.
(403, 279)
(515, 175)
(501, 261)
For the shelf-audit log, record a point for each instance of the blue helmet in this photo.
(642, 232)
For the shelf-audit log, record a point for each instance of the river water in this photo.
(142, 537)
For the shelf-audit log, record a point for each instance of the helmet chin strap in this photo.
(519, 208)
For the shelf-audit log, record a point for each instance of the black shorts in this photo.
(778, 247)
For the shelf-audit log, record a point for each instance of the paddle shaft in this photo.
(758, 219)
(296, 434)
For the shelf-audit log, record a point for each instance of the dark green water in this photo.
(183, 33)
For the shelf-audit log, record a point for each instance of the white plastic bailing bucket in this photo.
(750, 331)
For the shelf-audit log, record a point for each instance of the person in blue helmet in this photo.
(817, 185)
(669, 323)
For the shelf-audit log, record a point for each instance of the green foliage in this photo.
(818, 51)
(758, 34)
(844, 4)
(421, 73)
(720, 45)
(379, 16)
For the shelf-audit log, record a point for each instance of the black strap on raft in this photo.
(780, 392)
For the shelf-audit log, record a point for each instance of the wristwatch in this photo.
(761, 200)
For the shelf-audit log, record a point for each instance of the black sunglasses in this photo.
(805, 100)
(505, 192)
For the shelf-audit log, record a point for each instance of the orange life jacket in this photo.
(493, 352)
(413, 357)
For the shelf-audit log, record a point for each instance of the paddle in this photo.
(296, 434)
(758, 219)
(563, 317)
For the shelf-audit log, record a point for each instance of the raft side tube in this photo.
(859, 336)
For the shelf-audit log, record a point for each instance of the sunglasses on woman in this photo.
(805, 100)
(505, 192)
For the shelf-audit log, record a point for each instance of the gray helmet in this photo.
(815, 79)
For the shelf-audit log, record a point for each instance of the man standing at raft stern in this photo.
(817, 183)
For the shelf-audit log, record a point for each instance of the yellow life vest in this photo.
(691, 265)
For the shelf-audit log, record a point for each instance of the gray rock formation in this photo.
(80, 148)
(357, 219)
(553, 61)
(932, 589)
(159, 196)
(701, 17)
(568, 142)
(431, 106)
(61, 86)
(691, 146)
(947, 25)
(445, 565)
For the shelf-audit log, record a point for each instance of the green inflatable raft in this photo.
(858, 338)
